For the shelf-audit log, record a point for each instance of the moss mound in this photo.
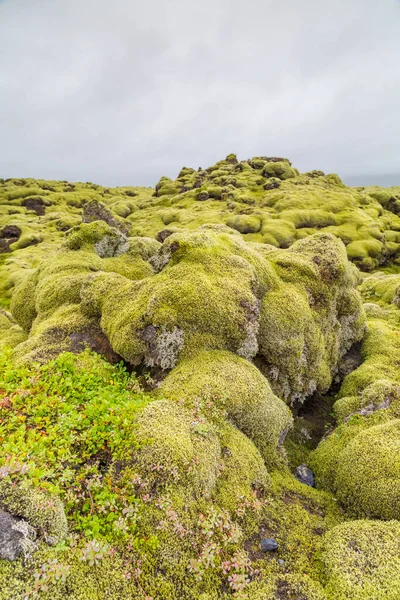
(358, 460)
(227, 294)
(239, 388)
(362, 467)
(361, 561)
(157, 304)
(44, 512)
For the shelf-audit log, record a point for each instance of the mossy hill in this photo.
(169, 356)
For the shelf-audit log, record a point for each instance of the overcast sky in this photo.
(122, 91)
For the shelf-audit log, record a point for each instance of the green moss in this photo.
(363, 253)
(176, 450)
(280, 169)
(299, 345)
(41, 510)
(277, 232)
(243, 470)
(185, 296)
(245, 223)
(368, 473)
(10, 333)
(23, 302)
(361, 561)
(237, 386)
(285, 586)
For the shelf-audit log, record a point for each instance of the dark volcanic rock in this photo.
(269, 545)
(8, 235)
(97, 211)
(36, 204)
(305, 475)
(203, 196)
(10, 537)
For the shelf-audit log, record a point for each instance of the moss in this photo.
(185, 294)
(381, 394)
(278, 232)
(363, 253)
(176, 451)
(237, 386)
(23, 302)
(368, 473)
(243, 470)
(361, 561)
(105, 240)
(170, 216)
(245, 223)
(290, 587)
(298, 341)
(379, 351)
(65, 330)
(10, 333)
(41, 510)
(280, 169)
(64, 574)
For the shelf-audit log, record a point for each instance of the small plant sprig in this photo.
(49, 574)
(219, 535)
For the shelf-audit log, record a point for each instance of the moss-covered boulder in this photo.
(237, 387)
(361, 561)
(42, 511)
(294, 312)
(358, 460)
(360, 463)
(310, 320)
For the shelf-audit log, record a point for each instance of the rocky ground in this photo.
(200, 387)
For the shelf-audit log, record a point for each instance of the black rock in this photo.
(10, 537)
(269, 545)
(305, 475)
(203, 196)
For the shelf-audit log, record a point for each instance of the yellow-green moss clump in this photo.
(358, 461)
(295, 312)
(361, 561)
(228, 291)
(237, 387)
(47, 304)
(43, 511)
(308, 323)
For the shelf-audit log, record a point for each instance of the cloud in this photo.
(124, 92)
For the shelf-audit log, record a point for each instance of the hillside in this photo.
(170, 357)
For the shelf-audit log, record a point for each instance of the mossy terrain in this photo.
(169, 356)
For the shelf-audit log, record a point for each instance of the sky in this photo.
(123, 92)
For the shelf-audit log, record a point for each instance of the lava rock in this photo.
(203, 196)
(10, 538)
(36, 204)
(305, 475)
(269, 545)
(97, 211)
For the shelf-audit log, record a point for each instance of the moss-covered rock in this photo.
(244, 300)
(236, 386)
(303, 338)
(158, 304)
(363, 468)
(361, 561)
(43, 511)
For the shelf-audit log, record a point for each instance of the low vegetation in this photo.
(168, 357)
